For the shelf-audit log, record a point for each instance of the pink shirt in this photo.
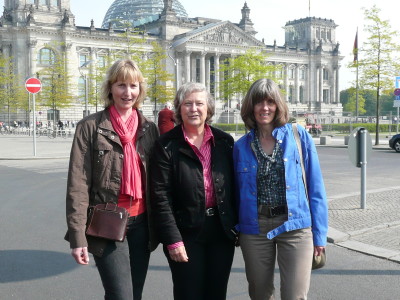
(204, 155)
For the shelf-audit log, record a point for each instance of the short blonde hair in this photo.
(124, 69)
(261, 90)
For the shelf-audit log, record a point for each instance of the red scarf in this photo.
(131, 180)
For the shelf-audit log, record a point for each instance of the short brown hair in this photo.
(259, 91)
(187, 89)
(124, 69)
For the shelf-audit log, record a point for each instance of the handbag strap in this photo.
(298, 143)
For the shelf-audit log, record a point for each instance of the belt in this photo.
(211, 211)
(272, 211)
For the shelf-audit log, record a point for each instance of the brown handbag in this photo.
(107, 221)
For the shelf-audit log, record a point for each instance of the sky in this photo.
(269, 16)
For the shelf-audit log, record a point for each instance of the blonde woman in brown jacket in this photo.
(108, 163)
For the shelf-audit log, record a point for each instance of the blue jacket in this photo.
(299, 216)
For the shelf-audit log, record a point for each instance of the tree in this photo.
(13, 95)
(378, 65)
(57, 91)
(351, 103)
(158, 78)
(241, 71)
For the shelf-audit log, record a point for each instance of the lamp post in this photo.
(84, 75)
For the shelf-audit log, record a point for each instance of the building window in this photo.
(326, 96)
(291, 73)
(197, 69)
(301, 94)
(46, 56)
(30, 2)
(82, 59)
(81, 89)
(302, 74)
(54, 2)
(101, 61)
(53, 114)
(42, 2)
(326, 74)
(291, 99)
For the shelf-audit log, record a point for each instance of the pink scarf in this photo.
(131, 182)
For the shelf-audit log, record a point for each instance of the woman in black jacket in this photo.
(192, 198)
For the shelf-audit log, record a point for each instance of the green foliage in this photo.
(378, 65)
(158, 79)
(57, 92)
(13, 95)
(241, 71)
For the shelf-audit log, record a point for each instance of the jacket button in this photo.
(217, 180)
(290, 214)
(285, 159)
(100, 131)
(121, 156)
(112, 137)
(288, 187)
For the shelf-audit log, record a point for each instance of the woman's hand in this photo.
(81, 255)
(178, 254)
(318, 250)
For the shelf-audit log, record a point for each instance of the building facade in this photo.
(309, 59)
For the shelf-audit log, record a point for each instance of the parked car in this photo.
(394, 142)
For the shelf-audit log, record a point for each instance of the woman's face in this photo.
(194, 109)
(264, 112)
(125, 94)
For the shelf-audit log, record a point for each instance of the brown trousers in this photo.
(293, 251)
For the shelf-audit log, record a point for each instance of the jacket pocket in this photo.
(101, 162)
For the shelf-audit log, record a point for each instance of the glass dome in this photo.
(138, 12)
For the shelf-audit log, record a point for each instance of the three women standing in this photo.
(108, 163)
(276, 217)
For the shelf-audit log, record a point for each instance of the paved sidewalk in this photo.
(374, 231)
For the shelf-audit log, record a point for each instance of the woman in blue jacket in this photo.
(276, 219)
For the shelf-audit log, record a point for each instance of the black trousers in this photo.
(123, 266)
(206, 275)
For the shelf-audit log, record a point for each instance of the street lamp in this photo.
(84, 75)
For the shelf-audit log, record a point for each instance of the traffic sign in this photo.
(397, 92)
(33, 85)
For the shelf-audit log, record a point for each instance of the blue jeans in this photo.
(123, 266)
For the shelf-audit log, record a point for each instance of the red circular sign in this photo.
(397, 92)
(33, 85)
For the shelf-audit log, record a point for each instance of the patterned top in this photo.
(271, 187)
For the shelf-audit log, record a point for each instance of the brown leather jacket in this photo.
(94, 174)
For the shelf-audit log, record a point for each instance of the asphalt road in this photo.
(35, 262)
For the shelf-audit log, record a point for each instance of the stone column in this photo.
(296, 83)
(187, 66)
(321, 84)
(203, 67)
(178, 76)
(217, 78)
(193, 68)
(336, 94)
(31, 71)
(208, 71)
(286, 68)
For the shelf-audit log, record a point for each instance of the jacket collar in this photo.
(105, 122)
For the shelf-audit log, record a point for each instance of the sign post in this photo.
(33, 86)
(360, 146)
(396, 102)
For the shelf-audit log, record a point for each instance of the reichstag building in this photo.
(310, 58)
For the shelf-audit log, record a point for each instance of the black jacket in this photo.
(177, 186)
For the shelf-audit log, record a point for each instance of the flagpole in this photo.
(356, 55)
